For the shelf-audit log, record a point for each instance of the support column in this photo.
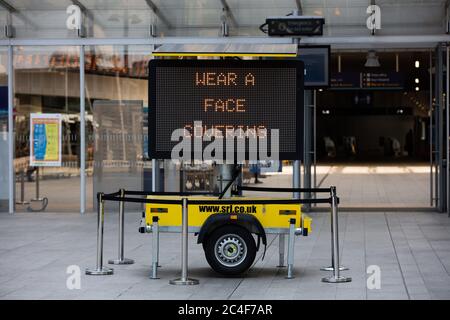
(440, 150)
(11, 175)
(171, 176)
(155, 175)
(307, 145)
(447, 132)
(82, 135)
(296, 177)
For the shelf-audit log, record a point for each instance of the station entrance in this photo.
(373, 129)
(378, 132)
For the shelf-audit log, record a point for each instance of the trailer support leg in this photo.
(281, 245)
(290, 257)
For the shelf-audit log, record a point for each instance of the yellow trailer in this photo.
(227, 228)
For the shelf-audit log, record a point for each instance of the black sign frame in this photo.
(297, 64)
(328, 66)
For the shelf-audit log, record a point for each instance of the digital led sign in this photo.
(252, 95)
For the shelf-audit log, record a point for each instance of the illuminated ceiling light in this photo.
(320, 90)
(337, 12)
(372, 60)
(417, 64)
(417, 88)
(416, 80)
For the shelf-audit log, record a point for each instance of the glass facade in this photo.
(46, 80)
(117, 100)
(118, 37)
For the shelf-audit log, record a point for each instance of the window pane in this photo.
(117, 100)
(46, 80)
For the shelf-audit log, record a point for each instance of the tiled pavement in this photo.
(411, 249)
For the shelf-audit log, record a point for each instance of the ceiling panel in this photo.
(343, 17)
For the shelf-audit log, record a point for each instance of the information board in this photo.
(45, 139)
(226, 95)
(382, 80)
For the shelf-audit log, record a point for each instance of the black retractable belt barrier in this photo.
(120, 196)
(266, 189)
(168, 193)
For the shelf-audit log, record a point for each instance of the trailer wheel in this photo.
(230, 250)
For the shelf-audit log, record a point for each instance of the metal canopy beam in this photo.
(85, 10)
(158, 13)
(227, 49)
(405, 42)
(8, 7)
(228, 13)
(13, 10)
(298, 3)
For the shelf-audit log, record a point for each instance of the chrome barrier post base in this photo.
(99, 272)
(121, 261)
(333, 279)
(331, 268)
(181, 281)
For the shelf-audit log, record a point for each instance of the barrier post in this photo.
(336, 277)
(121, 259)
(290, 257)
(184, 280)
(331, 268)
(22, 188)
(155, 249)
(281, 245)
(100, 269)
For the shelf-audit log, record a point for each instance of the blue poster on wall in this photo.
(40, 141)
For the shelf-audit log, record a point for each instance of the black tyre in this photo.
(230, 250)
